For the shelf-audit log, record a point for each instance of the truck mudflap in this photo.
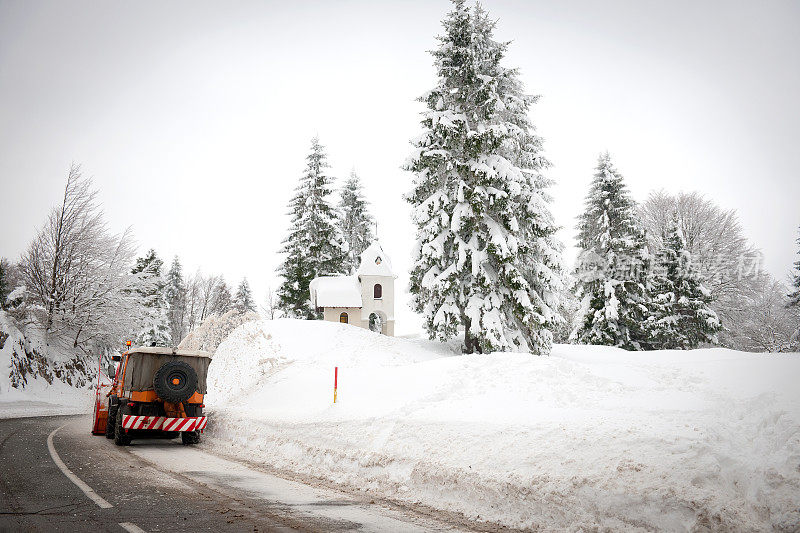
(162, 423)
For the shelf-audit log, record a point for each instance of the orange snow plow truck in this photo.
(154, 392)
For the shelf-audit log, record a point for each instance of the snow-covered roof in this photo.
(336, 291)
(375, 262)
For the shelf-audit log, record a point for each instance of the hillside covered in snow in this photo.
(39, 380)
(587, 437)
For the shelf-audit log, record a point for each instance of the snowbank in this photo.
(588, 437)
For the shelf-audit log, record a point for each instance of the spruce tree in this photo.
(794, 299)
(356, 222)
(794, 296)
(175, 294)
(4, 283)
(221, 301)
(243, 300)
(314, 245)
(612, 265)
(681, 317)
(294, 297)
(156, 329)
(486, 257)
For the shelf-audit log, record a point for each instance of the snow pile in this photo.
(591, 437)
(215, 329)
(32, 384)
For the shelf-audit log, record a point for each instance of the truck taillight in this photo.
(202, 405)
(131, 404)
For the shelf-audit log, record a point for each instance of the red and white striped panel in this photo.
(184, 424)
(142, 422)
(163, 423)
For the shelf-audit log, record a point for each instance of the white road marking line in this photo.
(131, 528)
(103, 504)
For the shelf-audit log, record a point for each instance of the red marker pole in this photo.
(335, 381)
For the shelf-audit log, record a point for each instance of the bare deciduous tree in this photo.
(714, 237)
(730, 266)
(214, 296)
(52, 264)
(194, 300)
(205, 296)
(194, 304)
(270, 307)
(764, 323)
(78, 276)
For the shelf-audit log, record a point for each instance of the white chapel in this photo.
(365, 299)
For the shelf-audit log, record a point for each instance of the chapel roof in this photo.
(336, 291)
(375, 262)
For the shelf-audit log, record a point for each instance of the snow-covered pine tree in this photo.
(612, 264)
(725, 259)
(221, 300)
(486, 257)
(355, 220)
(314, 246)
(294, 297)
(156, 328)
(681, 317)
(4, 283)
(794, 298)
(243, 299)
(175, 294)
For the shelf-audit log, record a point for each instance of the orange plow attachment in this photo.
(100, 416)
(101, 406)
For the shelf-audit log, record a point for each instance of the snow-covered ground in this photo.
(40, 398)
(61, 404)
(588, 437)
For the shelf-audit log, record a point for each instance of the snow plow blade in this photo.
(100, 417)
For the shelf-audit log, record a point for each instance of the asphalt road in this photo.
(160, 485)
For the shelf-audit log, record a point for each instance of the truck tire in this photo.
(175, 381)
(190, 437)
(111, 422)
(120, 437)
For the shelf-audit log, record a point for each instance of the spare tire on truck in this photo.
(175, 381)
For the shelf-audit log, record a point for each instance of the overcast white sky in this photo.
(194, 118)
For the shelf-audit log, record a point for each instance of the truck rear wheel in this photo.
(120, 437)
(190, 437)
(111, 421)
